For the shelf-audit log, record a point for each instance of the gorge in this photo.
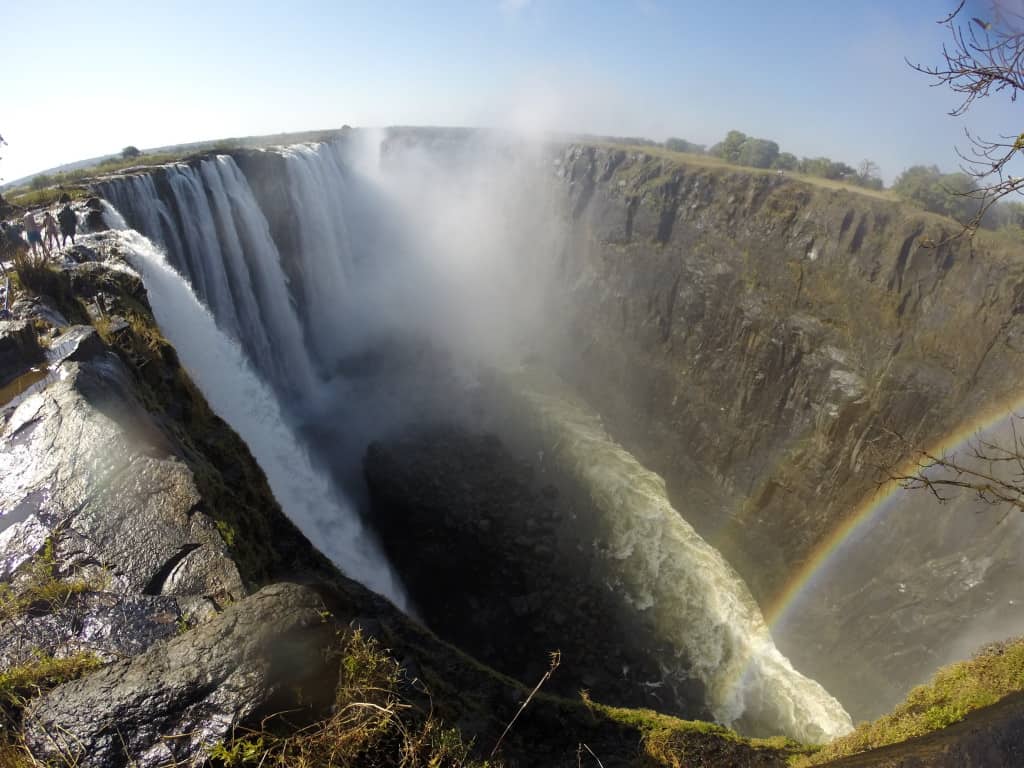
(604, 399)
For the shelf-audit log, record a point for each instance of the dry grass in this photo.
(21, 683)
(373, 725)
(39, 585)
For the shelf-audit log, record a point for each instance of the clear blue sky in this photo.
(821, 78)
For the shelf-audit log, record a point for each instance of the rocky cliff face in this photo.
(754, 338)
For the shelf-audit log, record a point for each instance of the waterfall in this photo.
(226, 253)
(236, 394)
(316, 184)
(667, 572)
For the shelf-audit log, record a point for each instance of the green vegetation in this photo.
(682, 145)
(956, 690)
(956, 195)
(739, 149)
(670, 741)
(948, 194)
(45, 198)
(40, 585)
(373, 723)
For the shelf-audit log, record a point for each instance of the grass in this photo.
(996, 671)
(44, 198)
(372, 724)
(40, 586)
(676, 743)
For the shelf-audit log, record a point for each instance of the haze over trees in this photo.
(752, 152)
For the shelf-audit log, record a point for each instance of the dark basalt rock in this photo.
(502, 566)
(266, 653)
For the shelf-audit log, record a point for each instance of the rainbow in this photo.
(874, 508)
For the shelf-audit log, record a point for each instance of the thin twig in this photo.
(556, 659)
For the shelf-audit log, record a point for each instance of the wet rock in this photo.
(94, 222)
(85, 463)
(112, 626)
(267, 652)
(78, 343)
(19, 349)
(38, 308)
(81, 254)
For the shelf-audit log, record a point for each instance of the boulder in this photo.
(94, 222)
(269, 652)
(94, 471)
(19, 349)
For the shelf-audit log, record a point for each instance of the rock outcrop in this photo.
(266, 653)
(459, 515)
(19, 350)
(90, 470)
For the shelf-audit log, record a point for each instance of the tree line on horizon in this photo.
(956, 195)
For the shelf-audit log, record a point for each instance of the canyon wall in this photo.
(754, 338)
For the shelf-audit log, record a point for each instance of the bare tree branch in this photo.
(984, 57)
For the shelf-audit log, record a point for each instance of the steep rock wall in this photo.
(753, 337)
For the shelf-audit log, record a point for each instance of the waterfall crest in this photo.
(216, 236)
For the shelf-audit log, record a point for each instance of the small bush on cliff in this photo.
(373, 724)
(996, 671)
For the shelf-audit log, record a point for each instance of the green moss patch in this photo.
(41, 587)
(670, 741)
(996, 671)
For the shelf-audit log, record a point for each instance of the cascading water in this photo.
(316, 185)
(699, 604)
(228, 256)
(237, 395)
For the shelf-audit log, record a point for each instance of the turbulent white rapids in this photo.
(207, 219)
(220, 369)
(699, 603)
